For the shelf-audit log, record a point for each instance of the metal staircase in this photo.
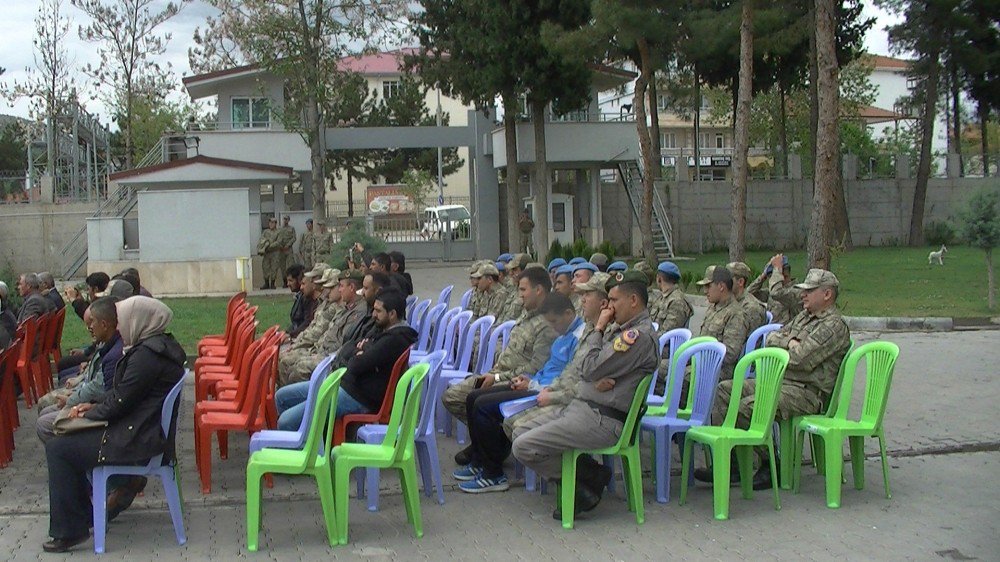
(74, 253)
(631, 173)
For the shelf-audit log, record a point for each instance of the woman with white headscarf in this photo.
(152, 365)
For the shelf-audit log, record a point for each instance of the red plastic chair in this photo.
(210, 375)
(27, 332)
(8, 396)
(382, 416)
(43, 368)
(236, 303)
(56, 351)
(222, 354)
(214, 349)
(249, 418)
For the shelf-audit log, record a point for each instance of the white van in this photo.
(438, 220)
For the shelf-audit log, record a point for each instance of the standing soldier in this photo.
(525, 225)
(323, 242)
(307, 245)
(286, 239)
(268, 249)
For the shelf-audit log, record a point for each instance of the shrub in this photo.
(938, 233)
(354, 233)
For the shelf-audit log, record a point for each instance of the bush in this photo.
(582, 249)
(354, 233)
(938, 233)
(9, 276)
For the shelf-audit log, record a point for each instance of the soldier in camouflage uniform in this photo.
(323, 244)
(583, 272)
(326, 310)
(652, 288)
(724, 320)
(493, 296)
(594, 297)
(268, 248)
(564, 284)
(753, 309)
(775, 286)
(286, 239)
(526, 351)
(513, 308)
(307, 244)
(350, 309)
(669, 312)
(817, 340)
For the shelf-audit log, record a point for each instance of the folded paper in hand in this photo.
(512, 407)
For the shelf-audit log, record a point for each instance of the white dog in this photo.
(938, 255)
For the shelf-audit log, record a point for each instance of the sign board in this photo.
(389, 200)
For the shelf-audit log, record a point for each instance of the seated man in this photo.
(327, 309)
(527, 350)
(563, 283)
(96, 283)
(310, 291)
(776, 287)
(671, 310)
(49, 290)
(753, 309)
(293, 279)
(513, 308)
(8, 320)
(611, 373)
(582, 272)
(398, 272)
(724, 319)
(97, 378)
(33, 303)
(290, 399)
(490, 446)
(492, 294)
(133, 273)
(817, 340)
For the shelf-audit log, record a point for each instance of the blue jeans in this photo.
(290, 400)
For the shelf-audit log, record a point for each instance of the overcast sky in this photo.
(17, 30)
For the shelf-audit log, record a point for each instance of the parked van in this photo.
(440, 219)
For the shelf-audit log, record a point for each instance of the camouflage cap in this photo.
(647, 270)
(331, 278)
(519, 261)
(595, 283)
(317, 271)
(819, 278)
(599, 259)
(625, 277)
(739, 269)
(352, 274)
(535, 264)
(486, 269)
(708, 276)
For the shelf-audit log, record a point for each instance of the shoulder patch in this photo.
(620, 345)
(630, 336)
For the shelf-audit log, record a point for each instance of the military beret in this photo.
(669, 268)
(565, 270)
(585, 265)
(309, 221)
(577, 260)
(625, 277)
(558, 262)
(352, 274)
(708, 275)
(501, 266)
(739, 269)
(617, 266)
(505, 257)
(819, 278)
(595, 283)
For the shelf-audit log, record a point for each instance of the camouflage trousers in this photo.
(794, 399)
(296, 365)
(273, 265)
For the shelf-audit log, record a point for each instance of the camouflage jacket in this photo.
(783, 299)
(724, 321)
(753, 311)
(512, 308)
(325, 312)
(670, 311)
(268, 242)
(528, 348)
(824, 340)
(346, 317)
(286, 237)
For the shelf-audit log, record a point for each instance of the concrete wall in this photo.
(105, 238)
(32, 235)
(179, 278)
(183, 225)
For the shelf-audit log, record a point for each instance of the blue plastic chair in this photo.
(416, 316)
(454, 335)
(758, 337)
(674, 338)
(438, 332)
(466, 297)
(707, 358)
(458, 366)
(425, 443)
(769, 316)
(411, 301)
(496, 343)
(168, 474)
(278, 439)
(427, 322)
(445, 296)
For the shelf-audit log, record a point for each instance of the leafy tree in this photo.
(153, 115)
(976, 54)
(125, 32)
(980, 226)
(352, 107)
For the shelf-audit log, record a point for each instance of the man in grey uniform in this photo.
(610, 374)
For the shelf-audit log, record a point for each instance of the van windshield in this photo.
(458, 214)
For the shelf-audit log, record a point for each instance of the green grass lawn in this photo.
(891, 281)
(874, 282)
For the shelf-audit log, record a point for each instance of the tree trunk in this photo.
(926, 138)
(541, 193)
(316, 155)
(515, 240)
(956, 108)
(129, 142)
(741, 140)
(350, 192)
(991, 284)
(813, 93)
(697, 126)
(984, 120)
(646, 150)
(783, 131)
(827, 174)
(654, 126)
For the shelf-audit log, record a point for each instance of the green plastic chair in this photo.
(312, 459)
(880, 359)
(685, 412)
(395, 451)
(786, 433)
(769, 364)
(627, 448)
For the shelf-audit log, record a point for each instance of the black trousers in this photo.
(70, 459)
(490, 446)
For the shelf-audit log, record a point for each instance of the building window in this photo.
(662, 101)
(558, 217)
(712, 174)
(251, 113)
(912, 83)
(668, 140)
(390, 88)
(705, 140)
(720, 140)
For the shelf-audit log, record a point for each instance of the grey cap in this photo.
(595, 283)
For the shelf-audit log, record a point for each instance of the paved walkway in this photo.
(940, 425)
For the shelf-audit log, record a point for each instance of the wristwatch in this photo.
(496, 378)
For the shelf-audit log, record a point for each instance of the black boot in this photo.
(762, 478)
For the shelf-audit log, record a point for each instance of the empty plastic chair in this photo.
(758, 337)
(168, 474)
(769, 316)
(277, 439)
(427, 323)
(670, 340)
(439, 330)
(416, 316)
(445, 296)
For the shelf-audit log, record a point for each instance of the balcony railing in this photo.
(241, 126)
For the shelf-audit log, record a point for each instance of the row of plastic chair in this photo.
(42, 337)
(9, 418)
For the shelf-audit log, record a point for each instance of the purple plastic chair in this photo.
(673, 338)
(416, 316)
(168, 475)
(708, 358)
(425, 442)
(769, 316)
(427, 323)
(411, 301)
(459, 366)
(438, 331)
(278, 439)
(466, 297)
(758, 337)
(498, 339)
(445, 296)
